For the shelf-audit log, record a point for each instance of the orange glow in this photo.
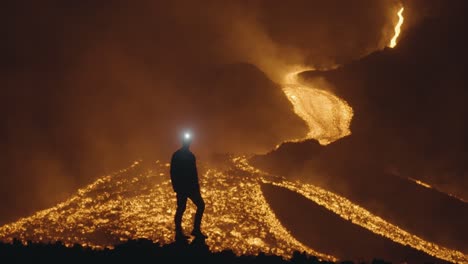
(358, 215)
(421, 183)
(327, 116)
(426, 185)
(137, 203)
(393, 41)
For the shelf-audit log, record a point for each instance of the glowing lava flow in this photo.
(393, 41)
(357, 215)
(140, 203)
(426, 185)
(327, 116)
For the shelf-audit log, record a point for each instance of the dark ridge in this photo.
(428, 213)
(142, 250)
(284, 160)
(323, 230)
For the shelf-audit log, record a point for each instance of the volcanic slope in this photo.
(138, 202)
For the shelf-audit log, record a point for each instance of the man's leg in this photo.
(181, 205)
(198, 201)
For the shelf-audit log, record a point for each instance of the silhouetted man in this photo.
(184, 178)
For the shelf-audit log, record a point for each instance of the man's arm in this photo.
(195, 172)
(195, 166)
(173, 172)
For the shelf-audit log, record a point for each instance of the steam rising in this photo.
(89, 86)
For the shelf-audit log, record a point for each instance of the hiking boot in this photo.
(181, 237)
(198, 234)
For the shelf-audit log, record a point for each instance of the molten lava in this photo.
(426, 185)
(327, 116)
(357, 215)
(139, 203)
(401, 19)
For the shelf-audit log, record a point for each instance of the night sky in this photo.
(90, 86)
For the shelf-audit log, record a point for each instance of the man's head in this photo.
(186, 139)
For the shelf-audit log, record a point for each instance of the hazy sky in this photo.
(88, 87)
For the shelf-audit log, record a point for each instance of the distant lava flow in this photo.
(327, 116)
(401, 19)
(426, 185)
(138, 202)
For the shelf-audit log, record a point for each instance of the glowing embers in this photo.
(137, 203)
(327, 116)
(421, 183)
(401, 19)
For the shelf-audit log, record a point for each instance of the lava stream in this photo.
(136, 203)
(357, 215)
(327, 116)
(401, 19)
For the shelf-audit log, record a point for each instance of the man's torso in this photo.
(184, 171)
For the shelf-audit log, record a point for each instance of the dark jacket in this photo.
(184, 175)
